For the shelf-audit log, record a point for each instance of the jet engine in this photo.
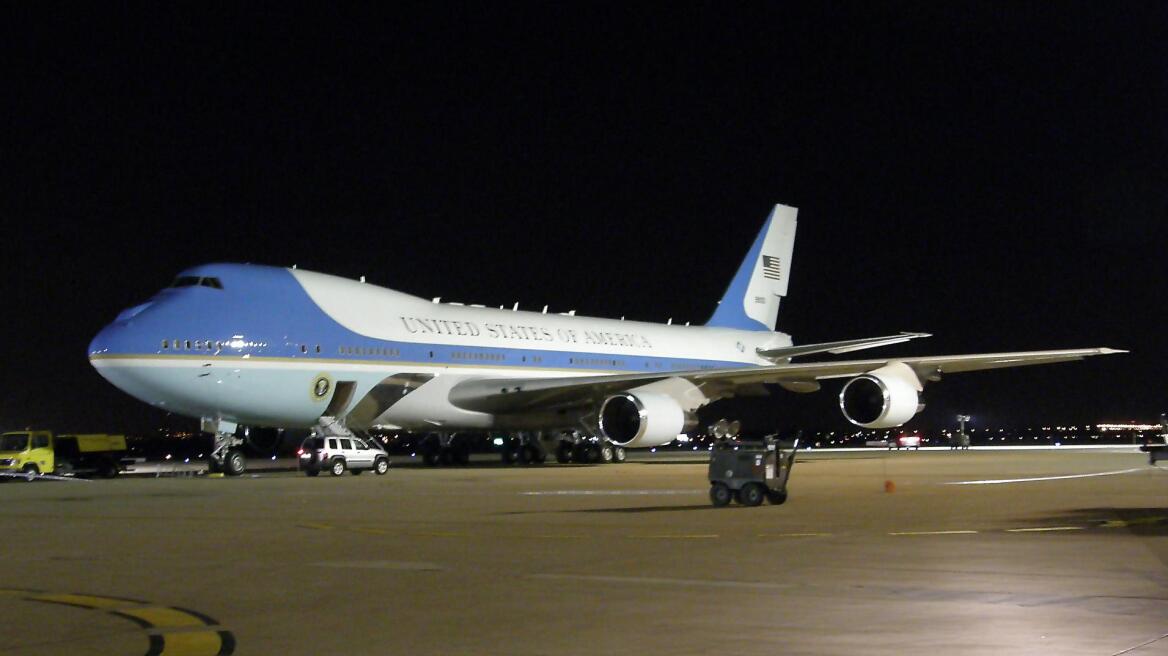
(883, 398)
(642, 419)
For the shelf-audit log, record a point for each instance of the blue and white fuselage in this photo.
(250, 344)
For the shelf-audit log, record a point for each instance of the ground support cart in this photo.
(750, 472)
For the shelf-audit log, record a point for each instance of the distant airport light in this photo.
(1127, 427)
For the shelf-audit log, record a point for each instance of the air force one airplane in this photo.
(248, 345)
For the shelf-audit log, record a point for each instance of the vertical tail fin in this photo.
(751, 302)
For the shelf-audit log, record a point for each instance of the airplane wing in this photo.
(511, 395)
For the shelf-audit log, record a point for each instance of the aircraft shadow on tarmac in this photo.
(1147, 522)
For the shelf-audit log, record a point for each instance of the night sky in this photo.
(994, 173)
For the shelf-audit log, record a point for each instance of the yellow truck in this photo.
(29, 453)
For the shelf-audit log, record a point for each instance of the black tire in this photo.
(777, 497)
(30, 472)
(430, 457)
(618, 454)
(529, 454)
(312, 472)
(593, 453)
(380, 466)
(720, 495)
(337, 467)
(564, 452)
(509, 454)
(107, 469)
(751, 494)
(607, 453)
(235, 463)
(580, 453)
(213, 466)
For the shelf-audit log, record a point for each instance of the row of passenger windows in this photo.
(194, 344)
(384, 351)
(597, 362)
(474, 355)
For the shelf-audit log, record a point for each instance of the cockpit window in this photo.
(196, 281)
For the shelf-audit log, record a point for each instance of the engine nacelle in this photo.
(642, 419)
(886, 397)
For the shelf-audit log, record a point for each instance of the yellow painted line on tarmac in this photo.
(163, 617)
(171, 629)
(794, 535)
(933, 533)
(557, 537)
(318, 527)
(1044, 529)
(85, 601)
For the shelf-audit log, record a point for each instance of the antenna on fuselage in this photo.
(362, 279)
(437, 299)
(515, 308)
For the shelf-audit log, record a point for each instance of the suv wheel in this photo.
(381, 466)
(337, 468)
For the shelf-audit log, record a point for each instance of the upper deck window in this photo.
(197, 281)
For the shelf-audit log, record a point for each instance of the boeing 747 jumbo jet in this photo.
(248, 345)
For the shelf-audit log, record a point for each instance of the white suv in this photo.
(336, 454)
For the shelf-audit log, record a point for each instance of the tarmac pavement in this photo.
(1037, 552)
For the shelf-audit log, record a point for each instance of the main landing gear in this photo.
(585, 449)
(226, 456)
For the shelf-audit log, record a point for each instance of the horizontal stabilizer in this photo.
(845, 346)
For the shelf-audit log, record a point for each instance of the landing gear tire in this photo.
(720, 495)
(594, 454)
(580, 453)
(530, 454)
(337, 468)
(607, 454)
(564, 453)
(234, 464)
(430, 457)
(751, 494)
(777, 497)
(618, 454)
(510, 454)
